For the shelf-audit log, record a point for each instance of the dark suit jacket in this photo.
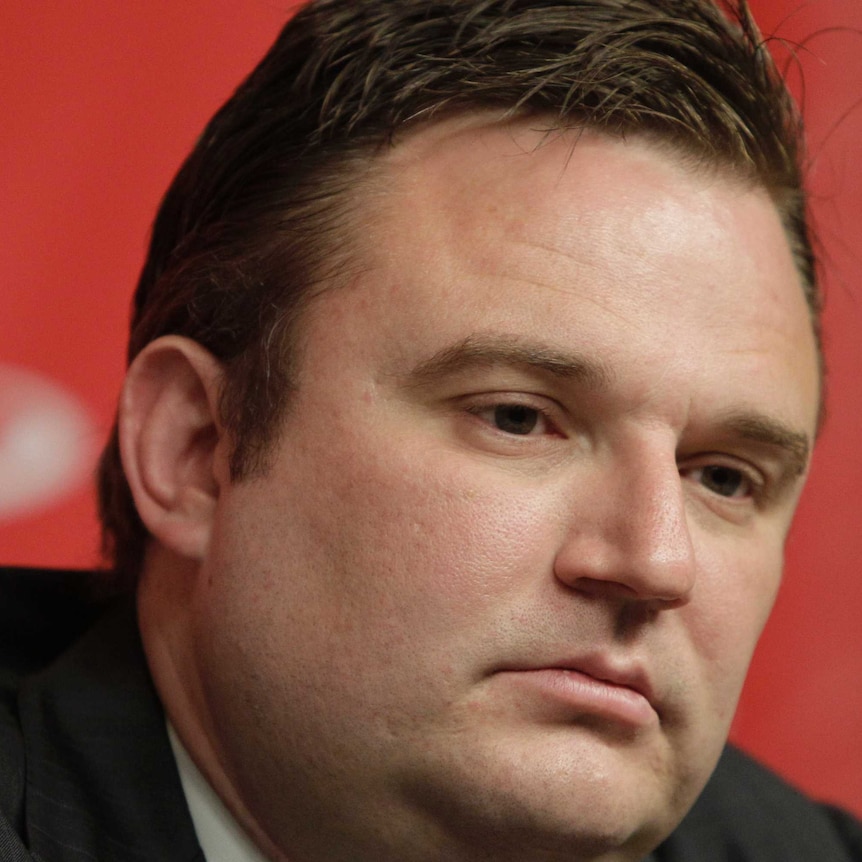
(87, 773)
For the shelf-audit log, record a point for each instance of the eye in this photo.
(519, 420)
(723, 481)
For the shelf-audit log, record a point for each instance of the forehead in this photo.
(577, 239)
(521, 182)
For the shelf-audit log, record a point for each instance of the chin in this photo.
(585, 801)
(510, 828)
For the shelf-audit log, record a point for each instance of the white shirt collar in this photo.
(220, 836)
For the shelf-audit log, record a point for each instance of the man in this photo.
(474, 373)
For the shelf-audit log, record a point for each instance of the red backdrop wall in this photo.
(100, 102)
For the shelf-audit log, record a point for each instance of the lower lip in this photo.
(579, 695)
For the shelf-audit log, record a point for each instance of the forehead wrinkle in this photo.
(490, 350)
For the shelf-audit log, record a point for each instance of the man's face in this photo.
(498, 592)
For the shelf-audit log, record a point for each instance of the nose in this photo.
(629, 535)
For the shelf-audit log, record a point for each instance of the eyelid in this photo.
(757, 479)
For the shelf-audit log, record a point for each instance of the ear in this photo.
(173, 449)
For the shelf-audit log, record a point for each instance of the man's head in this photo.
(463, 551)
(268, 208)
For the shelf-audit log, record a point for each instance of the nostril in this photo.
(603, 588)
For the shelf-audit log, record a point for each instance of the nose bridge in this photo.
(632, 536)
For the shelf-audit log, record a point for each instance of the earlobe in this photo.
(173, 449)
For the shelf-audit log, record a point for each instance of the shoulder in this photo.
(86, 768)
(748, 814)
(41, 613)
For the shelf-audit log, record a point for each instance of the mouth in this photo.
(588, 688)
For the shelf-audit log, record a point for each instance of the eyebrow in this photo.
(771, 432)
(489, 351)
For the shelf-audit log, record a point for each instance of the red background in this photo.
(100, 102)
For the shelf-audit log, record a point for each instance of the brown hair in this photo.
(259, 214)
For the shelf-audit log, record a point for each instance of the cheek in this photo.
(430, 532)
(379, 592)
(400, 555)
(734, 596)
